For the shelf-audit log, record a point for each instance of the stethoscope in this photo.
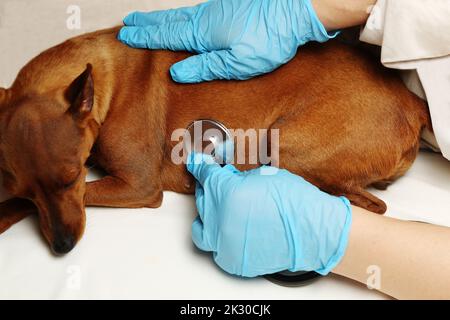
(214, 138)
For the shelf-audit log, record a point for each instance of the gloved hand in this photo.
(236, 39)
(257, 224)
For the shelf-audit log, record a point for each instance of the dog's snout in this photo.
(63, 245)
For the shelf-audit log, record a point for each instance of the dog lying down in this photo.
(345, 123)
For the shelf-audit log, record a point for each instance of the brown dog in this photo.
(345, 124)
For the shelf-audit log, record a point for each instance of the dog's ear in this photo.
(81, 94)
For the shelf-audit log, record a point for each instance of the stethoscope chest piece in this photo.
(210, 137)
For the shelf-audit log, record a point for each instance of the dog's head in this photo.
(44, 144)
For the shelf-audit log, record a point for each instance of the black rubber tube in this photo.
(293, 279)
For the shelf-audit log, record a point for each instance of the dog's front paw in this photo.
(155, 201)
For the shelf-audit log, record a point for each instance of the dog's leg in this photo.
(381, 185)
(308, 152)
(130, 150)
(13, 211)
(131, 182)
(116, 192)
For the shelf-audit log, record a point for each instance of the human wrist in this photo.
(318, 31)
(367, 229)
(336, 15)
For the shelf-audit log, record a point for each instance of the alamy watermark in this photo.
(236, 146)
(73, 281)
(375, 20)
(73, 21)
(374, 280)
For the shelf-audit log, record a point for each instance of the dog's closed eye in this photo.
(69, 179)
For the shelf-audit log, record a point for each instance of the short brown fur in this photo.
(345, 123)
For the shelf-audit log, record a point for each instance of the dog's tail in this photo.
(418, 114)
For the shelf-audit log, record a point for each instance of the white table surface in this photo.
(148, 254)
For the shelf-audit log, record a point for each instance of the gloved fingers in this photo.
(205, 67)
(200, 199)
(199, 237)
(264, 171)
(172, 36)
(224, 151)
(141, 19)
(203, 166)
(232, 169)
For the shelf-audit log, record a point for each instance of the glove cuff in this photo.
(343, 241)
(317, 31)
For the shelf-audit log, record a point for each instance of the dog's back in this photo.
(345, 122)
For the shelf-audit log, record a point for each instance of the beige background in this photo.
(29, 26)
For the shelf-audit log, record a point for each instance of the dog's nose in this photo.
(63, 245)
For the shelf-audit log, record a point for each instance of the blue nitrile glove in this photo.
(258, 224)
(236, 39)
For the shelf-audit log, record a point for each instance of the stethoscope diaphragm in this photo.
(210, 137)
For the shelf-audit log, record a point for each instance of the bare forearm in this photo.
(339, 14)
(411, 259)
